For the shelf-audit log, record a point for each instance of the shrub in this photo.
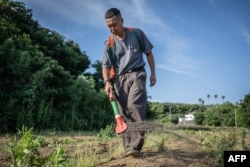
(215, 145)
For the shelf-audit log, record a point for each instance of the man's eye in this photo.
(112, 25)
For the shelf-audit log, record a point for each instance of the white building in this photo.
(188, 120)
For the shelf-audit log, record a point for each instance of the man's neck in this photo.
(121, 35)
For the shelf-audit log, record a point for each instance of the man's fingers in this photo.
(152, 82)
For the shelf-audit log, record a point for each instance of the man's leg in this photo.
(137, 100)
(132, 97)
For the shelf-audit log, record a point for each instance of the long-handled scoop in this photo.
(121, 126)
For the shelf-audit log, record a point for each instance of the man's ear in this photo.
(122, 20)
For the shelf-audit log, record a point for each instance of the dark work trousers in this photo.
(131, 94)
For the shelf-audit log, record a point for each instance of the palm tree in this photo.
(202, 102)
(200, 99)
(208, 96)
(223, 97)
(215, 96)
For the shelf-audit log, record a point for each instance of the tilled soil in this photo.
(178, 150)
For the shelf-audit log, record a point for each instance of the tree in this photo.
(97, 75)
(223, 97)
(50, 43)
(200, 99)
(15, 12)
(41, 77)
(201, 103)
(67, 53)
(227, 114)
(243, 113)
(208, 97)
(215, 96)
(198, 118)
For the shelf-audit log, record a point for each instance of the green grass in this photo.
(51, 148)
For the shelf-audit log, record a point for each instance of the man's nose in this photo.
(112, 28)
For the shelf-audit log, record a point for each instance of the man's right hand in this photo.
(108, 87)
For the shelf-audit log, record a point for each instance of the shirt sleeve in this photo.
(145, 44)
(106, 62)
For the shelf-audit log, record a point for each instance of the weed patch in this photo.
(24, 151)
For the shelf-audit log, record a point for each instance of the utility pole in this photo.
(235, 118)
(170, 111)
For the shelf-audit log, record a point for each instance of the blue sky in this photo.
(201, 47)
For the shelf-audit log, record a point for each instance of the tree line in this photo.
(44, 83)
(43, 80)
(225, 114)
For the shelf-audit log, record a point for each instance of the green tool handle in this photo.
(115, 107)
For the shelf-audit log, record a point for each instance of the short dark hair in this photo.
(112, 12)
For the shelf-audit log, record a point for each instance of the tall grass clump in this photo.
(107, 133)
(243, 138)
(25, 151)
(161, 144)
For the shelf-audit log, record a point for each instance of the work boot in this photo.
(133, 153)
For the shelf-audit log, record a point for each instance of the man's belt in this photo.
(136, 69)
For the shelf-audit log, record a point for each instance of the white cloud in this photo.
(91, 12)
(141, 13)
(176, 68)
(136, 13)
(87, 12)
(212, 3)
(175, 46)
(179, 54)
(246, 34)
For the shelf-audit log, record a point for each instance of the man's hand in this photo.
(152, 80)
(151, 62)
(108, 87)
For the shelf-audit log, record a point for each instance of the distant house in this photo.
(188, 120)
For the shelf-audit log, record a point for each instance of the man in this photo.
(130, 79)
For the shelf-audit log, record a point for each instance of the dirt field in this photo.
(178, 152)
(179, 148)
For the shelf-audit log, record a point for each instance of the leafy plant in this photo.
(57, 159)
(107, 133)
(24, 151)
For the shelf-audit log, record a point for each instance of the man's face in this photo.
(115, 25)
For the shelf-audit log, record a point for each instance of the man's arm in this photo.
(105, 73)
(106, 77)
(151, 62)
